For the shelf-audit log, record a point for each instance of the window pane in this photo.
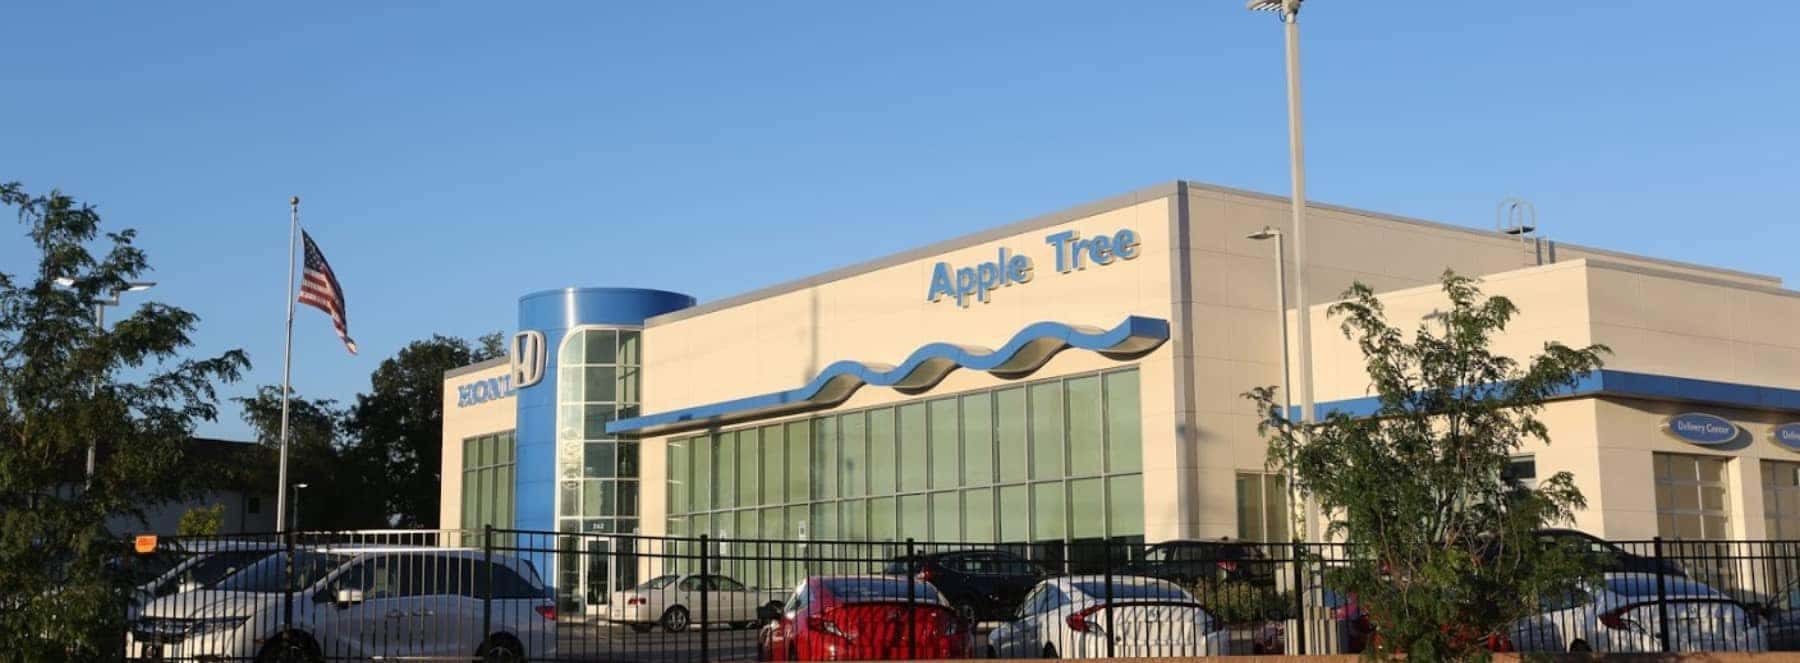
(824, 458)
(855, 523)
(678, 475)
(726, 459)
(700, 489)
(799, 441)
(946, 518)
(628, 460)
(1125, 510)
(1087, 452)
(1047, 516)
(503, 490)
(600, 384)
(746, 525)
(855, 479)
(774, 448)
(825, 522)
(1015, 502)
(1087, 502)
(1124, 441)
(1249, 508)
(628, 348)
(628, 384)
(882, 525)
(602, 347)
(572, 350)
(1009, 405)
(912, 448)
(946, 452)
(749, 465)
(570, 497)
(597, 498)
(627, 498)
(1275, 507)
(508, 447)
(881, 452)
(978, 515)
(978, 439)
(569, 385)
(915, 517)
(1046, 431)
(772, 523)
(598, 460)
(1712, 470)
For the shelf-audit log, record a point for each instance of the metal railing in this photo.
(562, 596)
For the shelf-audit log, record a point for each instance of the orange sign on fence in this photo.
(145, 544)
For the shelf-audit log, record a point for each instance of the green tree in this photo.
(401, 422)
(63, 385)
(1441, 546)
(201, 521)
(344, 484)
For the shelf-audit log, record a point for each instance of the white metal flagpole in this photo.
(287, 362)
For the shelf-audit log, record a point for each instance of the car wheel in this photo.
(1050, 651)
(502, 648)
(642, 628)
(675, 619)
(290, 648)
(1580, 646)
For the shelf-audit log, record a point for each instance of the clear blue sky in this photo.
(453, 157)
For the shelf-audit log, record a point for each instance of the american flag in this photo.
(319, 289)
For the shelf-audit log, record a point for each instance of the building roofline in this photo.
(1146, 194)
(477, 366)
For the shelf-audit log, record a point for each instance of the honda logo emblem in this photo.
(527, 358)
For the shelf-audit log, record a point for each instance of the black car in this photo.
(990, 583)
(1607, 556)
(1189, 562)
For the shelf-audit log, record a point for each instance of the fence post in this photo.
(912, 595)
(487, 594)
(705, 572)
(1297, 553)
(1106, 561)
(1662, 593)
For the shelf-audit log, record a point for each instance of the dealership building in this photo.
(1079, 375)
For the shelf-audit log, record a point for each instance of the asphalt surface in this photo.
(608, 642)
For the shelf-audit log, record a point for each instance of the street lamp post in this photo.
(1289, 11)
(297, 489)
(1295, 522)
(100, 304)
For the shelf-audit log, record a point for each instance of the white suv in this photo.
(357, 602)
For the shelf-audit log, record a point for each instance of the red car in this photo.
(865, 618)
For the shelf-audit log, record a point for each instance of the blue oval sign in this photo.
(1788, 435)
(1701, 428)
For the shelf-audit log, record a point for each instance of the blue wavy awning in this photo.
(1028, 351)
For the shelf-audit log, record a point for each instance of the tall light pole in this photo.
(1289, 11)
(100, 304)
(1295, 522)
(297, 488)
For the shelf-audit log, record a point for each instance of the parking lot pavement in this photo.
(579, 641)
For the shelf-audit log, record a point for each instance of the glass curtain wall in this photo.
(487, 481)
(598, 380)
(1061, 458)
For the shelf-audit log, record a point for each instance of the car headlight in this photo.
(217, 625)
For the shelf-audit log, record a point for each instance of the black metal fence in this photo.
(557, 596)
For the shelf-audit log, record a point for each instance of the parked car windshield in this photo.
(658, 582)
(852, 590)
(1134, 589)
(1646, 586)
(266, 575)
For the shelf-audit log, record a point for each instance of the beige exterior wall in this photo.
(1660, 322)
(782, 341)
(493, 416)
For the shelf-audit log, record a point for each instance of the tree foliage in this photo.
(1441, 546)
(64, 384)
(201, 521)
(378, 462)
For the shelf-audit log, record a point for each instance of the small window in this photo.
(690, 584)
(1521, 471)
